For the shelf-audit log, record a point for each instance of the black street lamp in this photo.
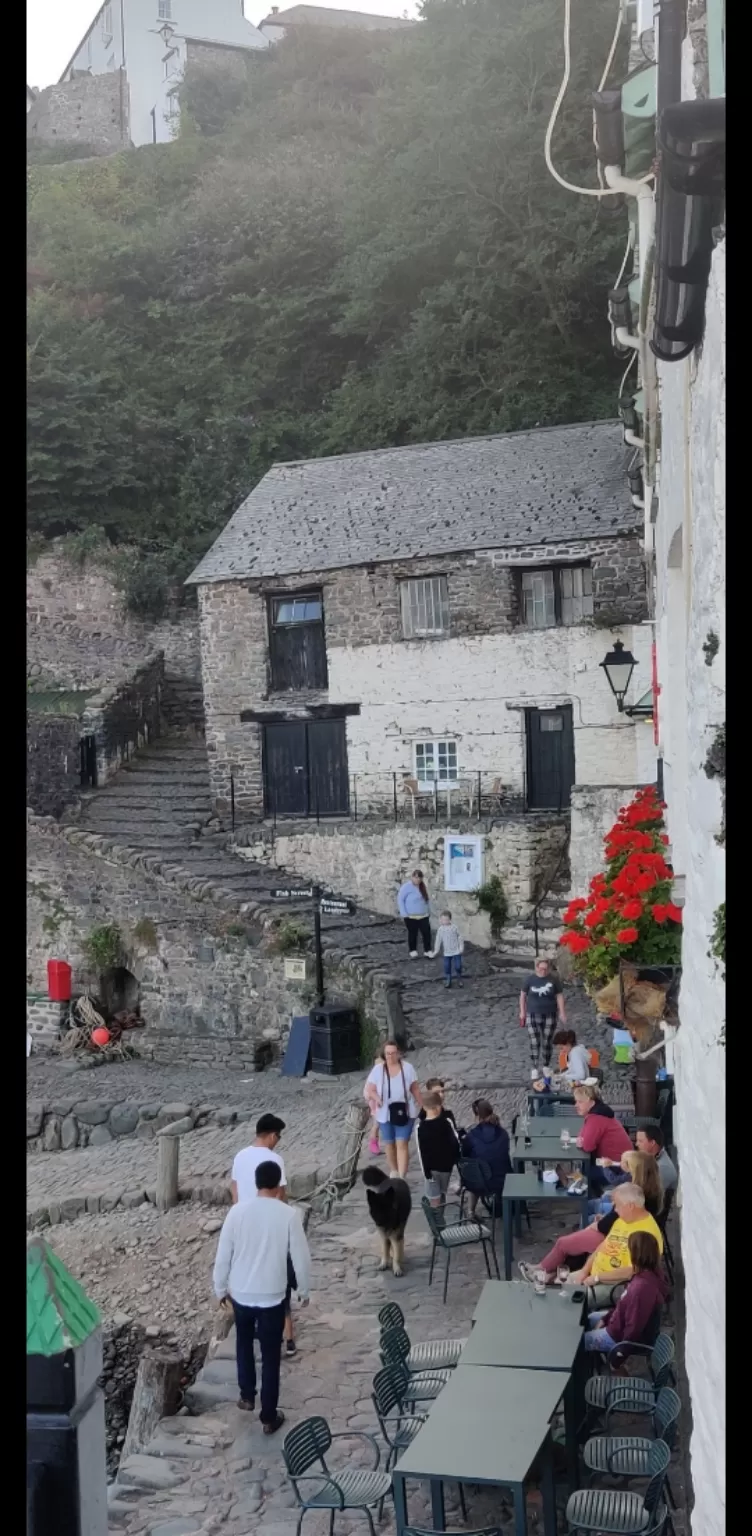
(618, 666)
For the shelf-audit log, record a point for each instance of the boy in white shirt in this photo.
(243, 1183)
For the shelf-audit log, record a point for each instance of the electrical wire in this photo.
(630, 364)
(628, 247)
(568, 185)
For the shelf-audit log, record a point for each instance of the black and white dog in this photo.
(390, 1204)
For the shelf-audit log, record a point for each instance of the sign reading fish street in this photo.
(293, 893)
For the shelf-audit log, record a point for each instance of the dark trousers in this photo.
(415, 926)
(268, 1322)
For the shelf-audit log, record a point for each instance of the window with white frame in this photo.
(171, 63)
(561, 595)
(435, 763)
(107, 23)
(425, 607)
(164, 10)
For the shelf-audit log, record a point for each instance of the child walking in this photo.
(450, 942)
(438, 1148)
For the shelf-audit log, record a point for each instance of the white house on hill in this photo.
(151, 41)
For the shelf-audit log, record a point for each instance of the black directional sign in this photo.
(293, 893)
(333, 906)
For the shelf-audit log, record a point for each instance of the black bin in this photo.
(335, 1039)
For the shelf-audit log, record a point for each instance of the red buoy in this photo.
(100, 1036)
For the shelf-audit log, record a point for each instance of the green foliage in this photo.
(290, 935)
(718, 942)
(79, 547)
(103, 947)
(710, 647)
(491, 899)
(40, 153)
(149, 581)
(357, 246)
(370, 1038)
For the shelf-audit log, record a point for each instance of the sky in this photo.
(54, 27)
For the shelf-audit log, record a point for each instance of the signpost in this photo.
(323, 902)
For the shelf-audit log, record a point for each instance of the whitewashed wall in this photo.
(594, 811)
(475, 691)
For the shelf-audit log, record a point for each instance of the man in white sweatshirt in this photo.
(257, 1240)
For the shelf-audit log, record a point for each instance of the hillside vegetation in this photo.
(359, 245)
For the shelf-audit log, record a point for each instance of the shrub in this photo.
(491, 899)
(104, 947)
(291, 934)
(628, 913)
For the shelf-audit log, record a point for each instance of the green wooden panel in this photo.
(59, 1314)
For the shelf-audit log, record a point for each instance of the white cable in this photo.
(630, 364)
(568, 185)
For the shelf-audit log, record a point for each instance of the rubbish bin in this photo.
(59, 981)
(335, 1039)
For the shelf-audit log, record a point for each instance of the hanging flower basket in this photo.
(629, 920)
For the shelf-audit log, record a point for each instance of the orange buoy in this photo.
(100, 1036)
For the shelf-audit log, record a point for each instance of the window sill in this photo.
(442, 634)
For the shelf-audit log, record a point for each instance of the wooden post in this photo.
(167, 1169)
(156, 1396)
(346, 1165)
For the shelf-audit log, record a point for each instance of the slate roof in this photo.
(550, 485)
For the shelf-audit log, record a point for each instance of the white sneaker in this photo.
(430, 954)
(413, 954)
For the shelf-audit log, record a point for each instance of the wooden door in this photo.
(328, 785)
(286, 769)
(550, 758)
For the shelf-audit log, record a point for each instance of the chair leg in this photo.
(331, 1523)
(463, 1505)
(370, 1520)
(495, 1258)
(484, 1246)
(433, 1260)
(446, 1272)
(670, 1494)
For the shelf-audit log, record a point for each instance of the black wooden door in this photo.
(286, 769)
(328, 787)
(88, 749)
(550, 758)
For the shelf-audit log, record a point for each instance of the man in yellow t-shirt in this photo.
(610, 1263)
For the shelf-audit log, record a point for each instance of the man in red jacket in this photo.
(633, 1314)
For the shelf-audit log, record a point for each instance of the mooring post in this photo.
(167, 1167)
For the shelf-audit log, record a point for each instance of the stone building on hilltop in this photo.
(421, 630)
(279, 24)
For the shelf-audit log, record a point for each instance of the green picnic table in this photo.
(524, 1188)
(486, 1426)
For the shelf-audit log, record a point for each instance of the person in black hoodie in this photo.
(438, 1147)
(490, 1142)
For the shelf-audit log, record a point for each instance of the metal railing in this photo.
(399, 796)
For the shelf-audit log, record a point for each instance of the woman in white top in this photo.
(393, 1095)
(578, 1056)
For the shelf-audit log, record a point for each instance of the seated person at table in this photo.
(610, 1263)
(637, 1168)
(578, 1057)
(488, 1140)
(653, 1142)
(570, 1250)
(438, 1148)
(632, 1316)
(544, 1095)
(601, 1135)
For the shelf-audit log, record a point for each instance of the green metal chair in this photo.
(611, 1513)
(420, 1386)
(305, 1448)
(462, 1235)
(602, 1452)
(399, 1429)
(435, 1354)
(608, 1393)
(419, 1530)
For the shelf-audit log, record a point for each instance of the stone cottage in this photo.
(424, 626)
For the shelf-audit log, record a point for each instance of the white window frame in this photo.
(557, 596)
(107, 23)
(425, 607)
(164, 10)
(539, 598)
(576, 605)
(435, 762)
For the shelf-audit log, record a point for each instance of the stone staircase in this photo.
(182, 704)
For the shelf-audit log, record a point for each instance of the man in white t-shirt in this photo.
(243, 1183)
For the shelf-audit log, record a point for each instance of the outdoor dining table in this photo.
(536, 1100)
(486, 1426)
(551, 1126)
(516, 1329)
(543, 1149)
(525, 1187)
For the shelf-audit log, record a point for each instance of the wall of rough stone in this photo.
(369, 862)
(594, 811)
(125, 716)
(212, 987)
(211, 58)
(456, 686)
(92, 110)
(53, 762)
(80, 1122)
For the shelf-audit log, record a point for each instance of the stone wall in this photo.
(594, 811)
(369, 862)
(53, 762)
(212, 986)
(79, 1122)
(211, 58)
(125, 716)
(91, 110)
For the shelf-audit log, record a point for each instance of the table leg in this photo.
(438, 1514)
(400, 1502)
(508, 1240)
(570, 1425)
(547, 1489)
(518, 1219)
(520, 1510)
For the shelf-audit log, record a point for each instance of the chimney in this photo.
(275, 10)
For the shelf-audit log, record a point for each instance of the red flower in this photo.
(632, 909)
(673, 913)
(573, 910)
(593, 918)
(664, 839)
(579, 943)
(627, 936)
(660, 911)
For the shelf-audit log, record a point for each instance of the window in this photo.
(171, 63)
(107, 24)
(164, 10)
(425, 607)
(563, 595)
(172, 106)
(297, 643)
(435, 763)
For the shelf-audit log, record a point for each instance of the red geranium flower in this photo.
(627, 936)
(673, 913)
(660, 911)
(579, 943)
(632, 909)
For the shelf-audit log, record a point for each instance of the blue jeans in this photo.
(598, 1208)
(389, 1132)
(598, 1339)
(452, 962)
(269, 1322)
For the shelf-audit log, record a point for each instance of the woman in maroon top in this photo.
(630, 1319)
